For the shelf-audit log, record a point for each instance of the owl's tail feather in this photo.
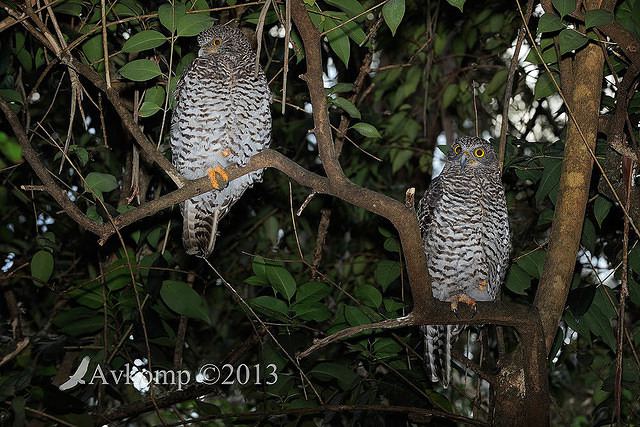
(199, 229)
(437, 351)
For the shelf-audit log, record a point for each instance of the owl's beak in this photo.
(466, 159)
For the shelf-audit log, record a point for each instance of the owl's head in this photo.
(472, 153)
(221, 39)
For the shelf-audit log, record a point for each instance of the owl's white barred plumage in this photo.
(465, 229)
(222, 117)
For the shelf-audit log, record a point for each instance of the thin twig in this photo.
(509, 87)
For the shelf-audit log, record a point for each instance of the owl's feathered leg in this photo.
(437, 351)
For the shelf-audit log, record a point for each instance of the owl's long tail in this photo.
(437, 351)
(199, 228)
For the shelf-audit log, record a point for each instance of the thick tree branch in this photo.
(322, 125)
(624, 39)
(573, 190)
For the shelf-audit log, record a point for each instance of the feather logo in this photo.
(76, 378)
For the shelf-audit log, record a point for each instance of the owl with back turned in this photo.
(465, 229)
(222, 117)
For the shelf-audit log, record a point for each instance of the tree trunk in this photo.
(573, 189)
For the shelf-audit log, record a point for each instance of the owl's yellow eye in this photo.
(457, 149)
(217, 42)
(479, 152)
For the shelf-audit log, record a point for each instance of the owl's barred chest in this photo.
(465, 237)
(465, 203)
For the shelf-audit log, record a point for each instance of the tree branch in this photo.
(573, 190)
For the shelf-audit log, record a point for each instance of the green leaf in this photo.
(386, 347)
(270, 305)
(180, 298)
(601, 209)
(100, 183)
(598, 319)
(259, 267)
(549, 22)
(118, 275)
(571, 40)
(312, 291)
(588, 238)
(550, 177)
(366, 130)
(327, 371)
(11, 96)
(457, 3)
(80, 152)
(194, 23)
(148, 109)
(400, 158)
(517, 281)
(391, 244)
(153, 101)
(393, 12)
(41, 267)
(597, 17)
(564, 7)
(92, 213)
(580, 300)
(450, 94)
(350, 7)
(355, 316)
(92, 48)
(338, 40)
(89, 294)
(368, 295)
(340, 88)
(545, 86)
(79, 321)
(634, 259)
(281, 280)
(497, 83)
(311, 310)
(169, 16)
(386, 272)
(545, 217)
(347, 106)
(533, 263)
(140, 70)
(144, 40)
(354, 32)
(10, 148)
(69, 7)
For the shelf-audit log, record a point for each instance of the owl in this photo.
(465, 230)
(222, 117)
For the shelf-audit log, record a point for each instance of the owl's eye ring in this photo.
(216, 42)
(479, 152)
(457, 149)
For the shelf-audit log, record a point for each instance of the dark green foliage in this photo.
(130, 299)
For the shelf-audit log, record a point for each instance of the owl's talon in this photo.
(212, 176)
(465, 299)
(454, 307)
(482, 285)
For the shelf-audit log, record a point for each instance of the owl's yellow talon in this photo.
(465, 299)
(226, 152)
(212, 176)
(483, 285)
